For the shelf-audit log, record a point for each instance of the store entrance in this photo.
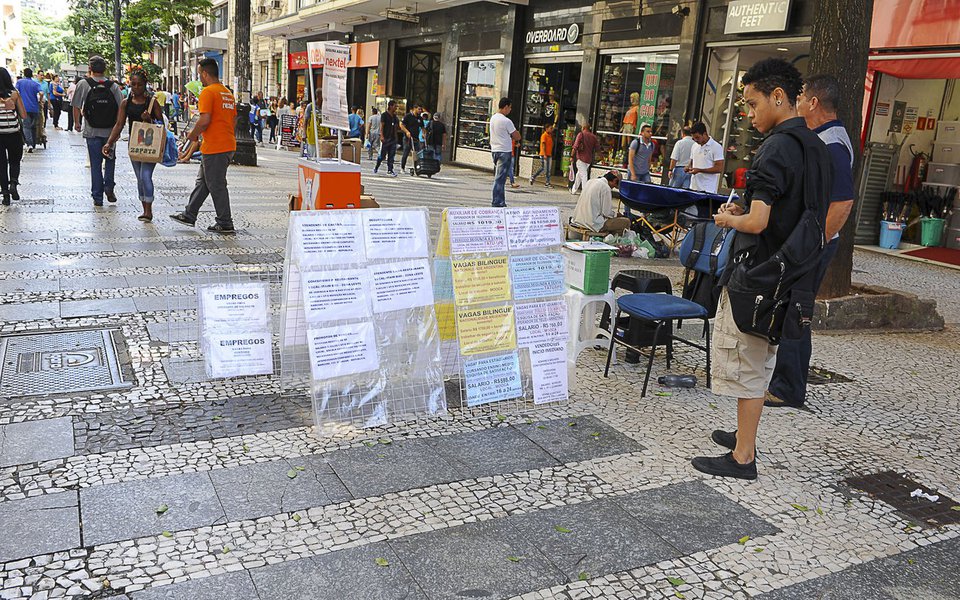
(419, 75)
(550, 97)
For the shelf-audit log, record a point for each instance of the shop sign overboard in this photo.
(750, 16)
(558, 34)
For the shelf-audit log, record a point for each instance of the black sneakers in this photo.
(727, 439)
(217, 228)
(14, 192)
(725, 466)
(183, 218)
(111, 197)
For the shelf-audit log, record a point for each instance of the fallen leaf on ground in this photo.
(562, 529)
(381, 562)
(955, 507)
(583, 576)
(712, 405)
(541, 427)
(300, 468)
(162, 509)
(572, 424)
(292, 473)
(501, 418)
(513, 558)
(385, 441)
(819, 511)
(799, 507)
(296, 518)
(910, 561)
(675, 581)
(758, 549)
(663, 394)
(744, 540)
(167, 534)
(225, 549)
(217, 418)
(246, 448)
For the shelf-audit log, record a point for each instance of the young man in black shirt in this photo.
(743, 363)
(410, 126)
(388, 138)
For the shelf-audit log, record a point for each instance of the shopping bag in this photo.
(170, 151)
(147, 141)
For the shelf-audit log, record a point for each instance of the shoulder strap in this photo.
(715, 250)
(808, 200)
(699, 233)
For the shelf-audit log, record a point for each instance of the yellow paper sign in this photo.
(446, 320)
(443, 242)
(480, 280)
(486, 330)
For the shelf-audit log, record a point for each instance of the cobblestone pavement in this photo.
(592, 499)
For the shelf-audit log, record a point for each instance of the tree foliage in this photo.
(45, 41)
(144, 25)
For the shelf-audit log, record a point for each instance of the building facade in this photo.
(12, 40)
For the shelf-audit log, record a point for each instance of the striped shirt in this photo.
(9, 120)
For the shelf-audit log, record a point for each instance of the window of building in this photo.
(635, 89)
(479, 95)
(218, 21)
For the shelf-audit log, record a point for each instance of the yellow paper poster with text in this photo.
(446, 320)
(486, 330)
(443, 243)
(481, 280)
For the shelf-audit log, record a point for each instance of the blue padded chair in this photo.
(658, 309)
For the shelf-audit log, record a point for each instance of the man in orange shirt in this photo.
(218, 115)
(546, 154)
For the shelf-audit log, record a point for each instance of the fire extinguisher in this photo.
(917, 172)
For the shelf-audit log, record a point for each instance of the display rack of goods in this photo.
(473, 122)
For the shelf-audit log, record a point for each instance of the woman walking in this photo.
(273, 120)
(71, 89)
(138, 106)
(12, 113)
(56, 100)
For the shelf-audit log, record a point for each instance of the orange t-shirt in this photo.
(546, 144)
(219, 136)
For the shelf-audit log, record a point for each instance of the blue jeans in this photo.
(144, 173)
(679, 178)
(512, 168)
(388, 150)
(789, 382)
(545, 164)
(502, 161)
(438, 152)
(101, 169)
(28, 125)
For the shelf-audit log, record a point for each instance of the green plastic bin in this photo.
(588, 271)
(931, 231)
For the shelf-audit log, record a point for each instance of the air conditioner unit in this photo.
(262, 9)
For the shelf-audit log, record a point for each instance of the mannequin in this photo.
(630, 119)
(551, 109)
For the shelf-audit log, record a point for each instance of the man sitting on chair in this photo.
(594, 209)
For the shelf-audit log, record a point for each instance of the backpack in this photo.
(705, 252)
(775, 298)
(100, 106)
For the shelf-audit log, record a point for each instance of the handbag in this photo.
(170, 157)
(147, 140)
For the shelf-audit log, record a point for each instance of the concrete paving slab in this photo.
(71, 309)
(39, 525)
(13, 286)
(165, 303)
(97, 282)
(491, 452)
(473, 561)
(352, 573)
(36, 441)
(578, 438)
(123, 511)
(693, 516)
(592, 539)
(383, 468)
(252, 491)
(235, 586)
(33, 311)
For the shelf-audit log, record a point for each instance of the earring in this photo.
(779, 102)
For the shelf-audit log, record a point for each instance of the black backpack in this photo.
(705, 252)
(100, 106)
(774, 298)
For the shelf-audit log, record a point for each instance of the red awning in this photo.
(918, 65)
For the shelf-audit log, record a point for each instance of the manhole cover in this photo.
(895, 489)
(60, 362)
(191, 245)
(818, 376)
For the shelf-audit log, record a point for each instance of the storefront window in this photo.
(479, 95)
(550, 97)
(635, 89)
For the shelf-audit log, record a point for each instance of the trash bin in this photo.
(890, 234)
(931, 231)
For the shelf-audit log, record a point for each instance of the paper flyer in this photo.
(442, 280)
(446, 320)
(239, 354)
(342, 350)
(476, 230)
(334, 110)
(334, 295)
(328, 237)
(537, 276)
(481, 280)
(541, 322)
(486, 329)
(294, 318)
(400, 285)
(492, 378)
(533, 227)
(396, 234)
(548, 361)
(233, 306)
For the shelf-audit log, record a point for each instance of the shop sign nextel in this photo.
(750, 16)
(560, 34)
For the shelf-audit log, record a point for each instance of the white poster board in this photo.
(334, 111)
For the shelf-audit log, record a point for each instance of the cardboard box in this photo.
(351, 149)
(587, 271)
(368, 202)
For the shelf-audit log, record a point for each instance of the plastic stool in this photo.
(586, 330)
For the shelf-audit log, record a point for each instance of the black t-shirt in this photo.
(388, 126)
(776, 178)
(413, 123)
(435, 133)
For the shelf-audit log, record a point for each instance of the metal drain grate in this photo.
(895, 489)
(819, 376)
(60, 362)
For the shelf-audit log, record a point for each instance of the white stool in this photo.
(586, 329)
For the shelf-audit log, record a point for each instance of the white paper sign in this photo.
(396, 234)
(492, 379)
(534, 227)
(328, 237)
(334, 110)
(234, 306)
(401, 285)
(442, 280)
(315, 53)
(548, 361)
(537, 276)
(239, 354)
(541, 322)
(476, 230)
(342, 350)
(334, 295)
(294, 318)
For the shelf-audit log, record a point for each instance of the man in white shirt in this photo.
(680, 159)
(503, 133)
(706, 161)
(594, 209)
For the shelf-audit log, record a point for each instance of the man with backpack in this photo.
(767, 292)
(97, 100)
